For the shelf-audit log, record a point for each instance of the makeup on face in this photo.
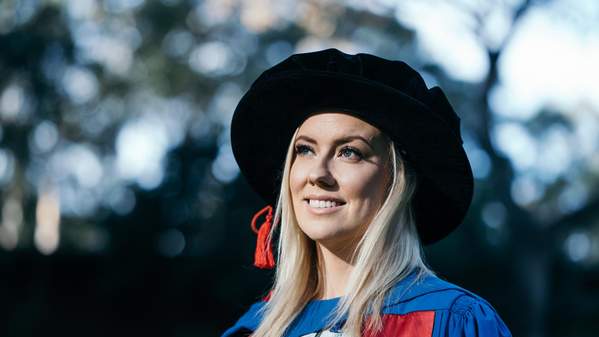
(337, 178)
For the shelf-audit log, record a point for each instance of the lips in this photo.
(314, 197)
(323, 203)
(322, 210)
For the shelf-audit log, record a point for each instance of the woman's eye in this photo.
(348, 151)
(302, 149)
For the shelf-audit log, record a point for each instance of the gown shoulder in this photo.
(248, 322)
(470, 316)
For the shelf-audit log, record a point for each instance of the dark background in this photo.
(122, 208)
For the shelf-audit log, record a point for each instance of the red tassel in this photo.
(263, 258)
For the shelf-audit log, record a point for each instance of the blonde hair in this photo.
(388, 251)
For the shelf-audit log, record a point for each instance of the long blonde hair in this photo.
(388, 251)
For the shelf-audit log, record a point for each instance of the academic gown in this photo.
(430, 307)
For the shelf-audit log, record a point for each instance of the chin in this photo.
(321, 236)
(321, 231)
(318, 234)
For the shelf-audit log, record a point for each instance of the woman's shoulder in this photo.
(418, 306)
(449, 308)
(471, 315)
(248, 322)
(427, 292)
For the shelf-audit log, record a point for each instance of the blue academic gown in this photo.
(429, 308)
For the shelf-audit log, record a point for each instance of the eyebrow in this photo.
(342, 140)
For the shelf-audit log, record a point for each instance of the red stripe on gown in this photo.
(414, 324)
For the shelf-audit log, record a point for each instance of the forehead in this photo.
(325, 125)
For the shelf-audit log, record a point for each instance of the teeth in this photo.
(322, 203)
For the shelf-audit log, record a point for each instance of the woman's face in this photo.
(338, 177)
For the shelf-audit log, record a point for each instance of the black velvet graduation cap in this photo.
(387, 94)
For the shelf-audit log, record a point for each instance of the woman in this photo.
(364, 164)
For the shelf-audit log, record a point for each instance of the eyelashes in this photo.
(352, 150)
(301, 149)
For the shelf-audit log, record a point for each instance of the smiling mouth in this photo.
(322, 204)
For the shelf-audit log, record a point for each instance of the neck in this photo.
(337, 268)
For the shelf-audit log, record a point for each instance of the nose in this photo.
(320, 174)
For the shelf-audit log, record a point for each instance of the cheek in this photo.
(297, 178)
(367, 185)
